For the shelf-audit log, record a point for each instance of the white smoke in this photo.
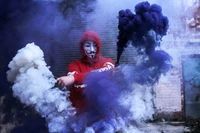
(140, 103)
(34, 86)
(138, 99)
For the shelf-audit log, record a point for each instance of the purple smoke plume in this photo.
(105, 91)
(100, 92)
(144, 30)
(136, 27)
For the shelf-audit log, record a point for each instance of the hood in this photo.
(90, 36)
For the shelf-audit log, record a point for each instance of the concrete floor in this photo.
(157, 127)
(165, 127)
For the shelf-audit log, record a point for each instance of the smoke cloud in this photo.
(34, 86)
(114, 102)
(121, 100)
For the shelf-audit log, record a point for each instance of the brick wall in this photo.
(170, 97)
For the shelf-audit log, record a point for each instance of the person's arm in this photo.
(73, 75)
(106, 64)
(74, 70)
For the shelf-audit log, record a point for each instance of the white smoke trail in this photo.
(140, 103)
(137, 98)
(34, 86)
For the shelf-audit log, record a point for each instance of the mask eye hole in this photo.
(86, 45)
(89, 44)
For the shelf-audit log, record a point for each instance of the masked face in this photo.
(90, 49)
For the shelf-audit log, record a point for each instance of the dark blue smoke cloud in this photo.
(103, 95)
(144, 30)
(135, 27)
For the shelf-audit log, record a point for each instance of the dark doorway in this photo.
(191, 84)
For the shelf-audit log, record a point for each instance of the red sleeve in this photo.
(109, 60)
(78, 76)
(108, 63)
(76, 67)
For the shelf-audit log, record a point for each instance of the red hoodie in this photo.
(79, 68)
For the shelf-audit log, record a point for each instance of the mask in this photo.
(90, 49)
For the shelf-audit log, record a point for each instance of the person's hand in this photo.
(65, 80)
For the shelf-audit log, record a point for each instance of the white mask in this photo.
(90, 48)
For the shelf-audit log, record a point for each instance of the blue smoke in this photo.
(104, 94)
(144, 29)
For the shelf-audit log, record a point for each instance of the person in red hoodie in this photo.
(90, 61)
